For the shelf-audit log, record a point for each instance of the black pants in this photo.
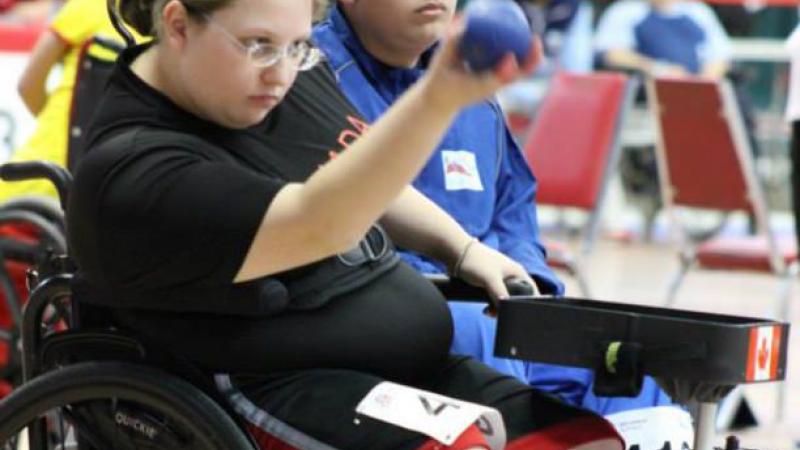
(315, 409)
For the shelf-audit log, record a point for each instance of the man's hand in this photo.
(487, 268)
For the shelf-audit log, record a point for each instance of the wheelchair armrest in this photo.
(27, 170)
(50, 232)
(456, 289)
(38, 204)
(19, 251)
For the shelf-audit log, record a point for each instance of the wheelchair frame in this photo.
(118, 372)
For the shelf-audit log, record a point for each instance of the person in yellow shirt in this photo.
(69, 35)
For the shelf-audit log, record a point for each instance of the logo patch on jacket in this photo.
(461, 171)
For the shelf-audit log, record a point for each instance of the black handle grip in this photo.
(518, 287)
(453, 288)
(29, 170)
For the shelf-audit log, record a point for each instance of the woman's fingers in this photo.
(448, 50)
(496, 287)
(510, 69)
(455, 84)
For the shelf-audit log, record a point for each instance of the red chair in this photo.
(705, 161)
(573, 148)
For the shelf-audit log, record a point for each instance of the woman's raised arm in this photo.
(331, 211)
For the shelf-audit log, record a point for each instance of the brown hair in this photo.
(145, 15)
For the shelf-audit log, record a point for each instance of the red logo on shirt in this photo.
(453, 167)
(349, 135)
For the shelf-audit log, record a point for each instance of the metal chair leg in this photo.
(677, 279)
(784, 314)
(575, 270)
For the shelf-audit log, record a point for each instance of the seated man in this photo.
(663, 37)
(477, 174)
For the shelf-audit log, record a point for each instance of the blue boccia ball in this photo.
(494, 28)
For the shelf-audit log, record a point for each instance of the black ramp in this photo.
(668, 343)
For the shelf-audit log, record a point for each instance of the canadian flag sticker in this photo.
(763, 353)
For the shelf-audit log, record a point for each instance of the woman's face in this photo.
(221, 81)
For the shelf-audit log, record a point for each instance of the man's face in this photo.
(400, 24)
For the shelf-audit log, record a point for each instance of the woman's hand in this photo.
(450, 83)
(486, 267)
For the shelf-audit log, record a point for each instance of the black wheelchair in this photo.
(89, 386)
(32, 226)
(29, 228)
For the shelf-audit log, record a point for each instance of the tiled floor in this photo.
(639, 273)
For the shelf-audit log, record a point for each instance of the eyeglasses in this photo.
(303, 53)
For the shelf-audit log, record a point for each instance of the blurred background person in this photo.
(657, 38)
(663, 37)
(58, 50)
(59, 47)
(27, 12)
(793, 117)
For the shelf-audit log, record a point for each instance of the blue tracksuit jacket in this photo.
(479, 176)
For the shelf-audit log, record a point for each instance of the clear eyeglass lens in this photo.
(303, 54)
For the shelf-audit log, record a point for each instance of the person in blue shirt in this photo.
(477, 174)
(663, 37)
(675, 38)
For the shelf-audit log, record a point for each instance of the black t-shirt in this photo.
(160, 223)
(311, 125)
(150, 212)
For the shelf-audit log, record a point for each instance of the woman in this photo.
(185, 227)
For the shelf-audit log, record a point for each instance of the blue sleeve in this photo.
(717, 45)
(576, 51)
(515, 220)
(615, 29)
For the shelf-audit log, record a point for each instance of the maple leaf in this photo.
(763, 354)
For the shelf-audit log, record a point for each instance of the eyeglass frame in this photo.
(312, 58)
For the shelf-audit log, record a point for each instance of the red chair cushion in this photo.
(558, 255)
(16, 270)
(19, 38)
(743, 253)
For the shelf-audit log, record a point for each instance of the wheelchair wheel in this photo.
(43, 206)
(114, 405)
